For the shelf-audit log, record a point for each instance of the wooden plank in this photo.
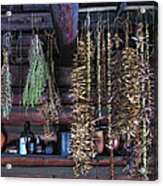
(44, 172)
(59, 172)
(19, 75)
(24, 161)
(23, 21)
(24, 27)
(52, 160)
(36, 118)
(66, 99)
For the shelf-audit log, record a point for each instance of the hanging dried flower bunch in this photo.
(82, 129)
(147, 111)
(130, 113)
(6, 94)
(37, 76)
(52, 106)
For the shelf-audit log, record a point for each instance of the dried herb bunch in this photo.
(52, 106)
(37, 76)
(131, 109)
(82, 128)
(6, 93)
(147, 110)
(126, 107)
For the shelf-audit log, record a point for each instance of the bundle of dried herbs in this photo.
(6, 93)
(147, 100)
(127, 119)
(52, 106)
(82, 128)
(37, 76)
(131, 107)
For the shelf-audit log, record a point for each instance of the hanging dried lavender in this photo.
(37, 76)
(6, 94)
(82, 128)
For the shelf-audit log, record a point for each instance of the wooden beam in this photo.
(65, 23)
(36, 118)
(23, 21)
(19, 74)
(66, 99)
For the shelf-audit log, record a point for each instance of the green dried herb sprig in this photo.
(37, 76)
(6, 93)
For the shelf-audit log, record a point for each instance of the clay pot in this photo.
(99, 141)
(3, 140)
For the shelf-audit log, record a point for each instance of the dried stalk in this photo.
(98, 61)
(109, 107)
(88, 48)
(104, 61)
(109, 82)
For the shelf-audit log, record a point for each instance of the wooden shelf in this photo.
(54, 160)
(52, 166)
